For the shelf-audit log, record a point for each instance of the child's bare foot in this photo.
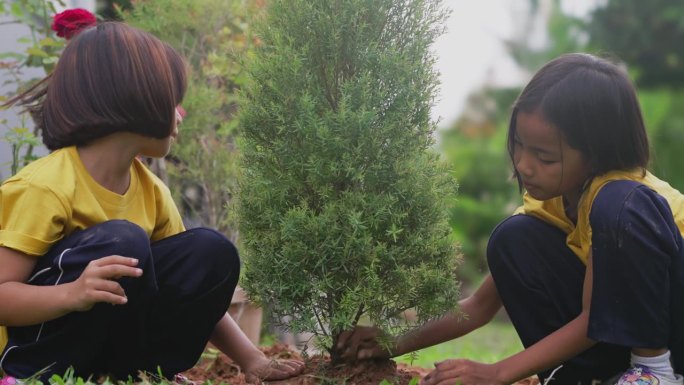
(271, 370)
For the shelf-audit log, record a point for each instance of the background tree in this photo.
(475, 144)
(647, 36)
(343, 204)
(112, 9)
(475, 148)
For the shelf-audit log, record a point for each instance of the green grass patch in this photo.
(489, 344)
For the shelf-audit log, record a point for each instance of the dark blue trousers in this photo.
(638, 281)
(186, 287)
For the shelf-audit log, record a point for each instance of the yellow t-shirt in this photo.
(54, 196)
(579, 235)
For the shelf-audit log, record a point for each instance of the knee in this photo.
(216, 253)
(506, 235)
(520, 241)
(121, 237)
(511, 230)
(116, 237)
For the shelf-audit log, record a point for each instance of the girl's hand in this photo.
(361, 343)
(264, 369)
(97, 282)
(463, 372)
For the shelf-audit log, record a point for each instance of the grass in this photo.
(489, 344)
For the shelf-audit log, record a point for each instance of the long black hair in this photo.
(594, 105)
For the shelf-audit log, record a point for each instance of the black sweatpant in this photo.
(638, 281)
(186, 287)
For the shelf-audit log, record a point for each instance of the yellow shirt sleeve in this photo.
(32, 217)
(3, 338)
(169, 221)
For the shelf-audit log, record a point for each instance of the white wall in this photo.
(9, 33)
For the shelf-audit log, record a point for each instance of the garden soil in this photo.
(318, 371)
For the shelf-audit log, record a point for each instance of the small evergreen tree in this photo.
(343, 205)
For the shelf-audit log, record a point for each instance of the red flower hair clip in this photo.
(72, 21)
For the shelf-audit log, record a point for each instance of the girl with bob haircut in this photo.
(98, 272)
(590, 268)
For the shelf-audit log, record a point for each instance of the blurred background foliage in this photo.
(212, 35)
(644, 35)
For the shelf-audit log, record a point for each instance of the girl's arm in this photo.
(476, 310)
(24, 304)
(559, 346)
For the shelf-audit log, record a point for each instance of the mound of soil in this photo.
(318, 371)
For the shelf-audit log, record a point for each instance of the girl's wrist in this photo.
(399, 347)
(68, 300)
(503, 374)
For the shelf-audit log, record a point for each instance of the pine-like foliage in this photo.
(342, 203)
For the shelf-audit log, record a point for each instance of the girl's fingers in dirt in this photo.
(344, 336)
(349, 354)
(348, 351)
(442, 379)
(447, 364)
(360, 338)
(348, 339)
(368, 353)
(445, 370)
(356, 335)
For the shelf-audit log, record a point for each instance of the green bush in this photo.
(343, 204)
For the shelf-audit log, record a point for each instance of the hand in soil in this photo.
(463, 372)
(266, 369)
(361, 343)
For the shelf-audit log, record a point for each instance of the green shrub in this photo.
(343, 204)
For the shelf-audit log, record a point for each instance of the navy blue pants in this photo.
(186, 287)
(638, 281)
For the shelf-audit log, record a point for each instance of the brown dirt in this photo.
(318, 371)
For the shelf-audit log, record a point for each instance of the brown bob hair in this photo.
(111, 77)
